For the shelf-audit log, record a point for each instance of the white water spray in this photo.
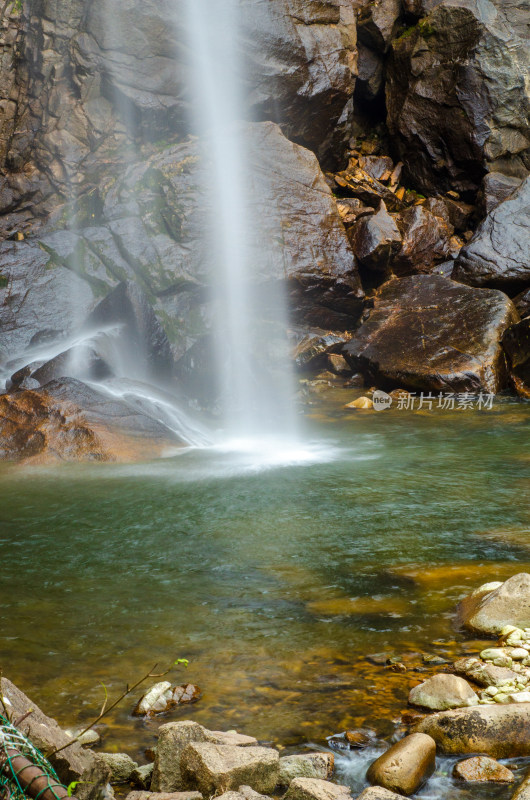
(256, 390)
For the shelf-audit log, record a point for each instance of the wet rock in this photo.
(360, 738)
(121, 766)
(143, 337)
(522, 303)
(220, 768)
(338, 364)
(496, 188)
(74, 763)
(516, 343)
(425, 241)
(313, 350)
(483, 770)
(497, 255)
(445, 127)
(483, 673)
(69, 421)
(316, 789)
(375, 241)
(141, 776)
(442, 692)
(404, 344)
(89, 738)
(500, 731)
(82, 362)
(406, 765)
(308, 765)
(488, 609)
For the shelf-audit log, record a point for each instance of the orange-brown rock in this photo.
(70, 421)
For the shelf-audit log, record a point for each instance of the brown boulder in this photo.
(69, 421)
(484, 770)
(500, 731)
(415, 337)
(523, 791)
(406, 765)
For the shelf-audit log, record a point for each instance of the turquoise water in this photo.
(275, 581)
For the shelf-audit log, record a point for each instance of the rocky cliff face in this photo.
(98, 178)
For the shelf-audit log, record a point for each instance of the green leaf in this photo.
(183, 661)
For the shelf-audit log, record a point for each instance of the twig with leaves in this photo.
(105, 709)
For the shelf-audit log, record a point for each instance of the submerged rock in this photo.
(491, 607)
(484, 770)
(415, 338)
(442, 692)
(500, 731)
(406, 765)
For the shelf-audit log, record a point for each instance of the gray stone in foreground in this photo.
(172, 739)
(483, 673)
(316, 789)
(121, 766)
(501, 731)
(406, 765)
(307, 765)
(141, 776)
(221, 768)
(72, 764)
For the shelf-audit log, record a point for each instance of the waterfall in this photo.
(250, 318)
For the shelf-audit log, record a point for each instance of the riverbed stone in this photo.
(405, 344)
(375, 241)
(173, 738)
(442, 692)
(74, 763)
(500, 731)
(484, 770)
(485, 674)
(316, 789)
(121, 766)
(307, 765)
(220, 768)
(405, 766)
(378, 793)
(488, 610)
(141, 776)
(148, 795)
